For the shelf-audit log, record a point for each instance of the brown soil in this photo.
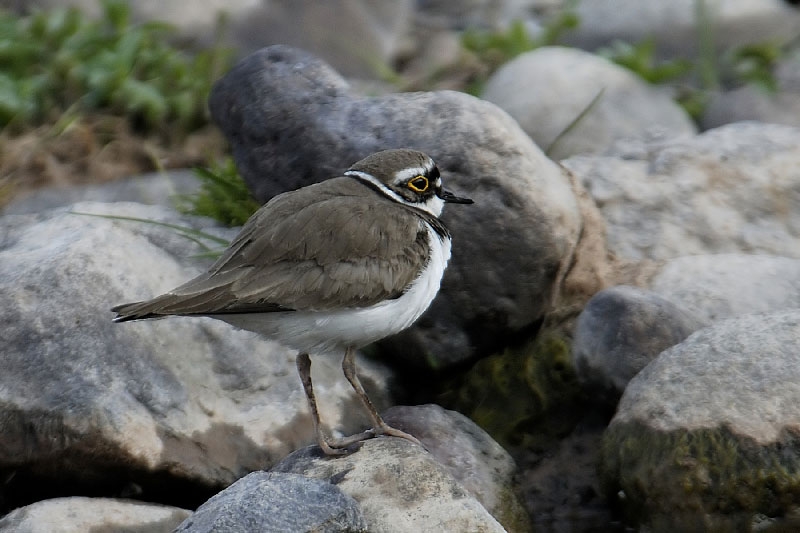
(93, 150)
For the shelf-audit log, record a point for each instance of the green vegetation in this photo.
(495, 48)
(223, 195)
(60, 62)
(641, 59)
(694, 79)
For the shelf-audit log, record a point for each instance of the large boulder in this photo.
(731, 189)
(707, 436)
(549, 88)
(80, 514)
(275, 502)
(173, 407)
(292, 120)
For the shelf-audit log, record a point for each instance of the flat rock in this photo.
(673, 25)
(399, 487)
(79, 515)
(753, 102)
(88, 403)
(277, 502)
(620, 331)
(471, 456)
(157, 188)
(731, 189)
(716, 421)
(547, 89)
(715, 287)
(292, 120)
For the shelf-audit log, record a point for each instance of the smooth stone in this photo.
(707, 434)
(715, 287)
(157, 188)
(471, 456)
(620, 331)
(273, 502)
(727, 190)
(78, 514)
(165, 405)
(674, 25)
(398, 485)
(292, 120)
(547, 89)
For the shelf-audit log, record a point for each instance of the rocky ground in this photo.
(619, 322)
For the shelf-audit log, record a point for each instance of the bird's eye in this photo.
(418, 184)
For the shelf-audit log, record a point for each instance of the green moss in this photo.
(524, 396)
(711, 477)
(496, 48)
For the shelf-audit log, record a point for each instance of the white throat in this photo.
(432, 205)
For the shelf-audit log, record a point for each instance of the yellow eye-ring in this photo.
(418, 184)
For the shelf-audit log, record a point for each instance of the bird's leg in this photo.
(379, 427)
(329, 446)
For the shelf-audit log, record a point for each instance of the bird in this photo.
(329, 268)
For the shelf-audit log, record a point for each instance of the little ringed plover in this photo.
(329, 268)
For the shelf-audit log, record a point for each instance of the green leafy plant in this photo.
(59, 60)
(754, 64)
(641, 59)
(695, 80)
(223, 195)
(495, 48)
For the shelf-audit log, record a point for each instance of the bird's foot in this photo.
(338, 446)
(386, 429)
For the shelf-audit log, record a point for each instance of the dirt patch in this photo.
(94, 150)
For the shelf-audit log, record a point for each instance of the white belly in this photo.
(333, 331)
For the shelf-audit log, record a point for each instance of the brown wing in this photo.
(311, 249)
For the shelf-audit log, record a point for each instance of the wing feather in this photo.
(331, 245)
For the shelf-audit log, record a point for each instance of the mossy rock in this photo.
(705, 479)
(525, 396)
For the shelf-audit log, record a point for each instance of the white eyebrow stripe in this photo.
(408, 173)
(432, 205)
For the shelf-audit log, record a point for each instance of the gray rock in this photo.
(545, 90)
(488, 14)
(727, 190)
(752, 102)
(674, 26)
(360, 38)
(707, 433)
(620, 331)
(174, 400)
(471, 456)
(398, 486)
(292, 120)
(714, 287)
(79, 515)
(158, 188)
(277, 502)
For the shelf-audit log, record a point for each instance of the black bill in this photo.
(451, 198)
